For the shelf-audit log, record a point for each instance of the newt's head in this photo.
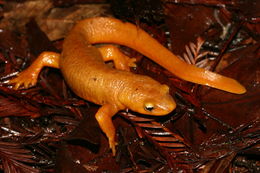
(149, 98)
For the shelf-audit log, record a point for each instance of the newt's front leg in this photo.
(104, 117)
(29, 76)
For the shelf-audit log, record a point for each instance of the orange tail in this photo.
(109, 30)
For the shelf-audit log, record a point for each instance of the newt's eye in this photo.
(149, 107)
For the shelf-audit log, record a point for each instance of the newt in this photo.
(83, 67)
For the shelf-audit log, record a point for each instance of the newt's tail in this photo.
(109, 30)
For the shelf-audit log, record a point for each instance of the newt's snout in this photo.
(165, 105)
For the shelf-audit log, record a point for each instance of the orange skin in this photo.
(84, 70)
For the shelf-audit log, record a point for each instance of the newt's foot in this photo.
(112, 146)
(125, 63)
(131, 62)
(24, 79)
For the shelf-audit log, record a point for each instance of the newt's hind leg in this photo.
(121, 61)
(28, 77)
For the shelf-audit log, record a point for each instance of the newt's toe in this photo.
(24, 79)
(132, 62)
(112, 145)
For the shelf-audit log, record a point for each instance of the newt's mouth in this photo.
(166, 108)
(163, 108)
(169, 107)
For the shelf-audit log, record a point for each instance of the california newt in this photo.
(84, 70)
